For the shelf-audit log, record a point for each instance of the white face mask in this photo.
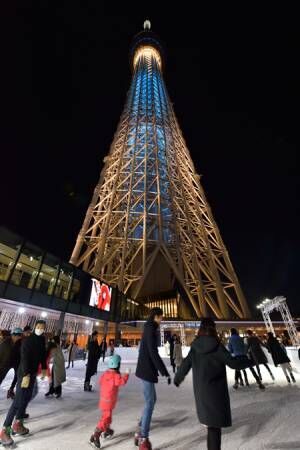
(38, 331)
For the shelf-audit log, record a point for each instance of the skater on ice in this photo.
(172, 343)
(208, 359)
(237, 348)
(58, 371)
(110, 383)
(177, 353)
(280, 358)
(92, 362)
(148, 365)
(72, 353)
(33, 353)
(103, 348)
(10, 356)
(257, 354)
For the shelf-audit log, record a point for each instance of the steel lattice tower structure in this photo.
(149, 226)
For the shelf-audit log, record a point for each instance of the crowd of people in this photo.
(208, 358)
(29, 355)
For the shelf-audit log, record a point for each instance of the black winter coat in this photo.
(172, 349)
(279, 356)
(93, 358)
(149, 362)
(255, 350)
(33, 353)
(208, 359)
(6, 350)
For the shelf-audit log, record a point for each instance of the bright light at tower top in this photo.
(148, 52)
(147, 25)
(147, 46)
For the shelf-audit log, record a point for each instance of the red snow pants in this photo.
(105, 420)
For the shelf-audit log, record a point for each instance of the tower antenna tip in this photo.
(147, 25)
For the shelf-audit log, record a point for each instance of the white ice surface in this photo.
(261, 420)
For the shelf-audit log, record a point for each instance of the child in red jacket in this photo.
(109, 382)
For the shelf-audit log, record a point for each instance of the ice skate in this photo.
(288, 379)
(241, 383)
(95, 438)
(48, 394)
(137, 436)
(87, 387)
(261, 386)
(236, 385)
(10, 394)
(145, 444)
(19, 429)
(5, 438)
(108, 433)
(26, 416)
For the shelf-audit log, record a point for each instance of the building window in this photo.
(64, 282)
(9, 248)
(48, 275)
(27, 267)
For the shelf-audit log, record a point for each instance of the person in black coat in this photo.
(256, 353)
(208, 358)
(103, 348)
(280, 358)
(92, 363)
(172, 343)
(10, 353)
(33, 353)
(148, 365)
(15, 362)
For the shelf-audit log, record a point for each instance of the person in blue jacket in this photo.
(238, 349)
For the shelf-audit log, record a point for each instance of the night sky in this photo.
(233, 76)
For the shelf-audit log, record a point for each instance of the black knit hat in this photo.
(207, 323)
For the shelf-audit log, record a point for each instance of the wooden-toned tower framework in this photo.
(149, 226)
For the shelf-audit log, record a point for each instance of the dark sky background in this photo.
(233, 76)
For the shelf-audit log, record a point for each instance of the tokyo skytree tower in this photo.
(149, 228)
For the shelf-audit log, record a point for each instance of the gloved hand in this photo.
(169, 380)
(128, 370)
(25, 382)
(44, 374)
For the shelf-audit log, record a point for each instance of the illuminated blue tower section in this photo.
(148, 110)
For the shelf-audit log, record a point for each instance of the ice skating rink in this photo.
(261, 420)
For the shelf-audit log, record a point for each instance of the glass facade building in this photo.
(25, 265)
(33, 276)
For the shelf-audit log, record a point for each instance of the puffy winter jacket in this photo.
(236, 345)
(110, 382)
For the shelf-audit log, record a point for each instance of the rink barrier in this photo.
(130, 354)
